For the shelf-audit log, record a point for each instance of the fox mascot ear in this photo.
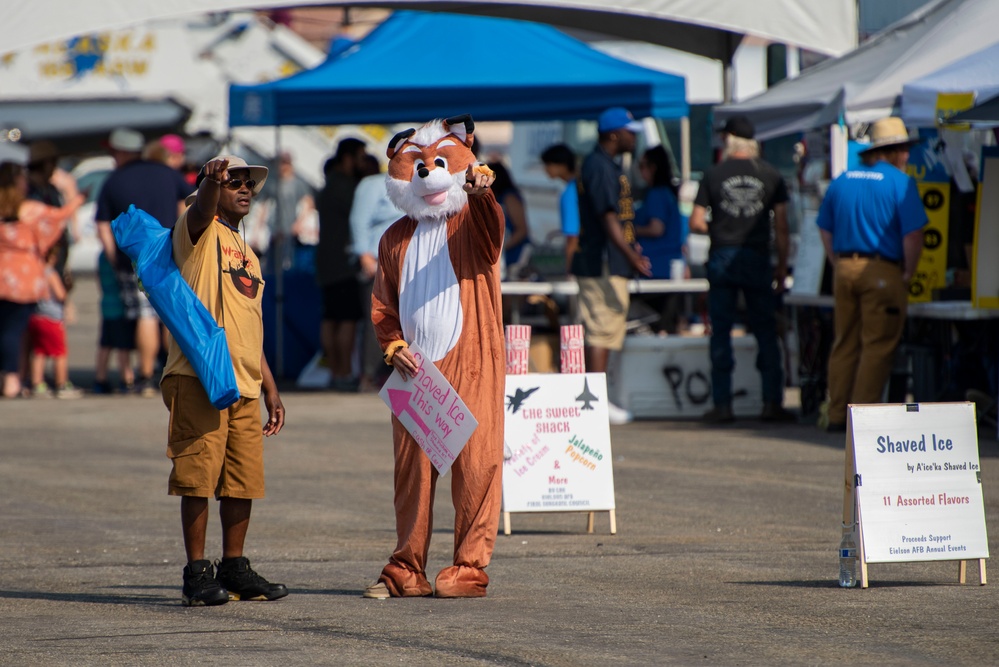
(462, 127)
(398, 139)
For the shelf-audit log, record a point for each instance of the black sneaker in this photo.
(200, 586)
(102, 388)
(236, 575)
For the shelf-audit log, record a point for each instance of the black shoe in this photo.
(147, 388)
(236, 575)
(720, 414)
(102, 388)
(774, 412)
(200, 587)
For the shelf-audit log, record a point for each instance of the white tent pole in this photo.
(838, 140)
(685, 148)
(792, 61)
(279, 267)
(728, 82)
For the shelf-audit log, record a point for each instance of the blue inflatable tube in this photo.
(201, 339)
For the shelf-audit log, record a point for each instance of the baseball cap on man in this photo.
(126, 140)
(173, 143)
(618, 118)
(258, 173)
(739, 126)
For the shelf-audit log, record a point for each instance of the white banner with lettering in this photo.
(558, 450)
(919, 490)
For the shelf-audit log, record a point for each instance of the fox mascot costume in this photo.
(438, 285)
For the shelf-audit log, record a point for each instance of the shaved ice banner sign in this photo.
(557, 449)
(431, 410)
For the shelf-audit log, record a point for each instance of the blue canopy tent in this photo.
(418, 66)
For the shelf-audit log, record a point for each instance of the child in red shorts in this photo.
(48, 338)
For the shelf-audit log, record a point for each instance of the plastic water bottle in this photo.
(847, 559)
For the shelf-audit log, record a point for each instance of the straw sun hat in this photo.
(888, 132)
(258, 173)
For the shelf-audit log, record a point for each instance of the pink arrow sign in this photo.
(440, 422)
(399, 401)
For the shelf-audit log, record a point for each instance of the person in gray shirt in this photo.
(371, 214)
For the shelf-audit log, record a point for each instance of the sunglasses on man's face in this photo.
(237, 183)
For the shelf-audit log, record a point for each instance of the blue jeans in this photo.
(731, 269)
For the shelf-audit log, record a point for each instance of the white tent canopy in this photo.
(710, 29)
(977, 74)
(865, 84)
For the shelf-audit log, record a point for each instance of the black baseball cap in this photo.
(739, 126)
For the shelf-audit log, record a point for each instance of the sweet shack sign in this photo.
(557, 444)
(431, 410)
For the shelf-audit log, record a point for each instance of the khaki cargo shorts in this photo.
(214, 452)
(603, 307)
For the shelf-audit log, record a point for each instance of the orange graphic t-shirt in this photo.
(222, 257)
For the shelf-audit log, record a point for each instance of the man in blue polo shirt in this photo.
(871, 222)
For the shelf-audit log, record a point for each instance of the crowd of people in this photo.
(334, 233)
(612, 230)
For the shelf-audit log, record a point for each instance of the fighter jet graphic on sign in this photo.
(517, 400)
(587, 396)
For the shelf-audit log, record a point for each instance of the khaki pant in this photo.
(214, 452)
(603, 308)
(871, 301)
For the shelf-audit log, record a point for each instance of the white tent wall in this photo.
(143, 62)
(825, 26)
(703, 75)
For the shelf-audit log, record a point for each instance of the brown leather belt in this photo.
(870, 255)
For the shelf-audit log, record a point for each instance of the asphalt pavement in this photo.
(725, 552)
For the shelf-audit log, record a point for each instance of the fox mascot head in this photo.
(427, 168)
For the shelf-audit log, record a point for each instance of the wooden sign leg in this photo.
(613, 527)
(506, 523)
(589, 522)
(861, 554)
(962, 570)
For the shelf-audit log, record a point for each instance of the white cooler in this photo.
(658, 377)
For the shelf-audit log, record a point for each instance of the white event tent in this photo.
(866, 83)
(977, 74)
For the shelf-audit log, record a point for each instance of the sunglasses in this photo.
(237, 183)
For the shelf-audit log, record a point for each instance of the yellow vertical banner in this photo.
(931, 272)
